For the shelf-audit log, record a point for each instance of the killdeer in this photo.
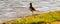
(32, 9)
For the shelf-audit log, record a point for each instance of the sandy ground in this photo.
(11, 9)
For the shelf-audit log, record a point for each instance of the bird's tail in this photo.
(37, 12)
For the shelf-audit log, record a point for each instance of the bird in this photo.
(32, 9)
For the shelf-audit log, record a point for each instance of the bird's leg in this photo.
(32, 13)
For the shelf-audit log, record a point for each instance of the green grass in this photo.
(39, 19)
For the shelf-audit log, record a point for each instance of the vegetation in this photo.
(38, 19)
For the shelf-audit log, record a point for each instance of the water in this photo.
(12, 9)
